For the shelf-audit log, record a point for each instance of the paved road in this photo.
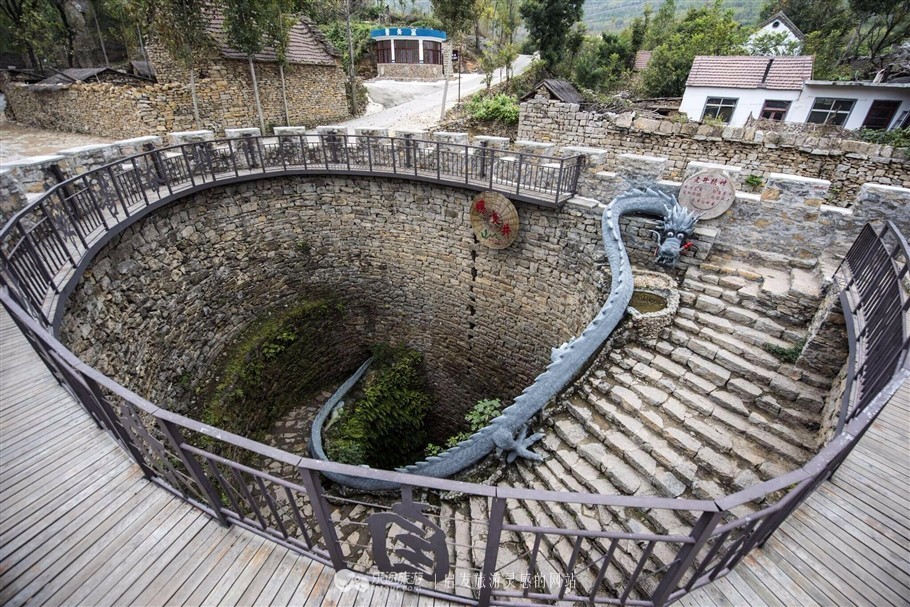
(418, 103)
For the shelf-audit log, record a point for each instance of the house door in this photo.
(881, 114)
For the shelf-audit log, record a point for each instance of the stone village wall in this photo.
(315, 95)
(846, 164)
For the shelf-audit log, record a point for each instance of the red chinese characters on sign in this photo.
(494, 220)
(709, 193)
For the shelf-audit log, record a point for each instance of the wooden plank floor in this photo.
(79, 525)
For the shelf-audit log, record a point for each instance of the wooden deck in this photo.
(80, 526)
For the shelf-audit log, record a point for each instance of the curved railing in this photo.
(47, 245)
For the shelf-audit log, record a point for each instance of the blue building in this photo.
(412, 53)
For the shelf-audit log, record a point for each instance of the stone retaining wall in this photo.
(846, 164)
(315, 95)
(159, 303)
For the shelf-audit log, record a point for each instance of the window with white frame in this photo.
(827, 110)
(719, 108)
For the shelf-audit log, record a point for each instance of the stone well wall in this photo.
(162, 300)
(315, 94)
(846, 164)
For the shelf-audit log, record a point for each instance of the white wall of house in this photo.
(863, 94)
(770, 28)
(749, 101)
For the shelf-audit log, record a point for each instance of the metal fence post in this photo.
(323, 518)
(518, 176)
(494, 534)
(701, 533)
(172, 432)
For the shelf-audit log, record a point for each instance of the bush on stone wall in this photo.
(385, 427)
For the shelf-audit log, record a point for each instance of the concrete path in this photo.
(418, 103)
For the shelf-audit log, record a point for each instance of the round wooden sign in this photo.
(708, 193)
(494, 220)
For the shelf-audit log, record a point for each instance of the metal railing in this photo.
(874, 279)
(416, 538)
(42, 245)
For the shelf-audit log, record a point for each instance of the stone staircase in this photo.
(703, 412)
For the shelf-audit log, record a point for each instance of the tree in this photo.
(662, 25)
(277, 33)
(549, 24)
(810, 15)
(773, 43)
(456, 15)
(878, 25)
(30, 23)
(180, 26)
(639, 30)
(704, 31)
(245, 23)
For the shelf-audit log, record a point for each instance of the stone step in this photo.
(808, 398)
(463, 541)
(480, 516)
(643, 449)
(546, 513)
(722, 325)
(590, 479)
(548, 574)
(735, 418)
(706, 457)
(740, 397)
(573, 516)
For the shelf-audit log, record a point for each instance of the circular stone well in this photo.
(163, 299)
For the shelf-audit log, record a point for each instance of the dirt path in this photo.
(18, 141)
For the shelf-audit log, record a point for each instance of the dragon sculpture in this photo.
(508, 433)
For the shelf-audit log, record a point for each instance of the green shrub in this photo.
(899, 138)
(280, 361)
(753, 181)
(787, 355)
(503, 108)
(478, 417)
(384, 428)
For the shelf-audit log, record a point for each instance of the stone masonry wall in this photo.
(162, 300)
(315, 95)
(847, 164)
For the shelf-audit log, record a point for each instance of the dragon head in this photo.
(673, 234)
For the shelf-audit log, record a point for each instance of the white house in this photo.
(781, 27)
(731, 89)
(854, 105)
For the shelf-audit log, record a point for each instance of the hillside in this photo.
(614, 15)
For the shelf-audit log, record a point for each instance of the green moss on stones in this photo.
(385, 426)
(279, 362)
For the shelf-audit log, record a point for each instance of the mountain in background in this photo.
(614, 15)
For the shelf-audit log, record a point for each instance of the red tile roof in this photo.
(306, 44)
(751, 72)
(641, 60)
